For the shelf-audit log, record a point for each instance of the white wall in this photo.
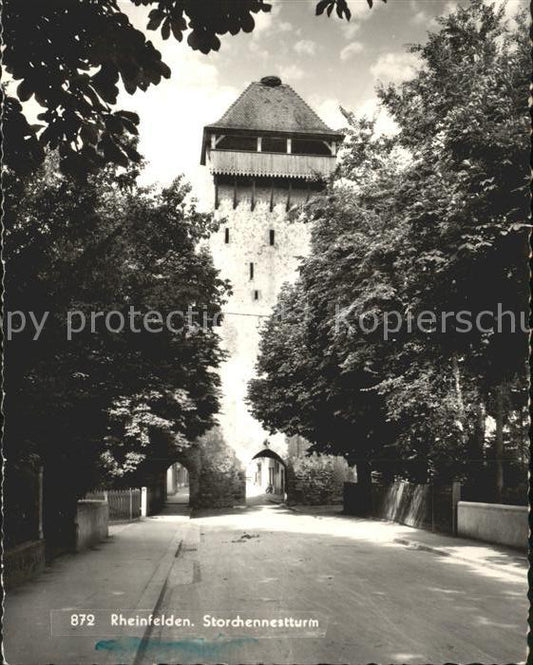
(273, 265)
(493, 523)
(264, 478)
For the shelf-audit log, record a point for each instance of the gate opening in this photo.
(177, 484)
(266, 478)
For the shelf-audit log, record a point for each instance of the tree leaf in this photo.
(321, 6)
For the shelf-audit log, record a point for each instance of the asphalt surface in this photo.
(375, 600)
(369, 592)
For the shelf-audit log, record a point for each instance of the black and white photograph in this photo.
(266, 332)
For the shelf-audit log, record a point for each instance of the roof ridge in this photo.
(309, 107)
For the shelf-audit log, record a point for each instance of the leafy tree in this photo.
(301, 387)
(72, 56)
(466, 246)
(221, 473)
(283, 355)
(113, 389)
(433, 219)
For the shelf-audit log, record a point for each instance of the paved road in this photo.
(375, 600)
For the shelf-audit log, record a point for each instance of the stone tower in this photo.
(268, 153)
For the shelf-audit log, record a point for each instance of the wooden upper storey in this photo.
(270, 131)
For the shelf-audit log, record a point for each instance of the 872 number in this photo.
(82, 620)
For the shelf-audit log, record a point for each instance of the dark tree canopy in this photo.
(434, 219)
(95, 247)
(71, 56)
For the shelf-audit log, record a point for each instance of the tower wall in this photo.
(273, 264)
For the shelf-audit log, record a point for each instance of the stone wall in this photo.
(92, 523)
(219, 489)
(215, 475)
(23, 562)
(316, 480)
(249, 242)
(494, 523)
(22, 506)
(191, 459)
(221, 478)
(239, 488)
(156, 494)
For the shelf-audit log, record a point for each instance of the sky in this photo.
(330, 62)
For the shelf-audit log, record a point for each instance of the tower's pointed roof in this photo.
(269, 105)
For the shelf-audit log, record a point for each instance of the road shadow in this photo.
(240, 510)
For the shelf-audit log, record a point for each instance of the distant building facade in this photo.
(177, 477)
(268, 153)
(266, 473)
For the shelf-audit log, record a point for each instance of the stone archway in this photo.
(216, 477)
(191, 460)
(154, 477)
(214, 480)
(177, 484)
(267, 476)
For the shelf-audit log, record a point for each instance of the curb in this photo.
(155, 589)
(414, 545)
(153, 593)
(183, 541)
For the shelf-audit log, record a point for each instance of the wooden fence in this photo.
(425, 506)
(124, 505)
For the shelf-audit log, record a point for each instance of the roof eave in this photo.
(320, 134)
(210, 129)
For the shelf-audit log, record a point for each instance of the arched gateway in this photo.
(270, 472)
